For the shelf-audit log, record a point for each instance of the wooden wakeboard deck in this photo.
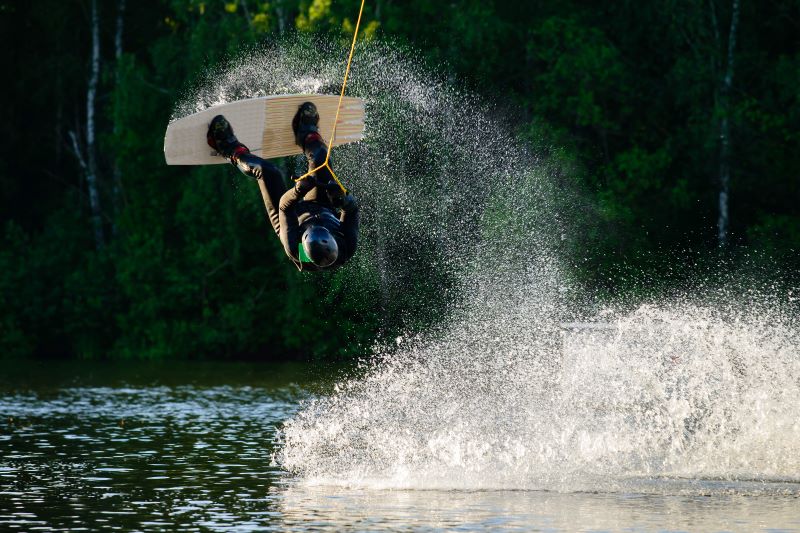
(262, 124)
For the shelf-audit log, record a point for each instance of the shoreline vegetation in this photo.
(676, 124)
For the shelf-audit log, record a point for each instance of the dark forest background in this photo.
(679, 119)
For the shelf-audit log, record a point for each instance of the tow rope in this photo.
(338, 107)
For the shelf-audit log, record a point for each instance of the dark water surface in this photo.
(189, 447)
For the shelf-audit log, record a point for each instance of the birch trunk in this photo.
(120, 27)
(91, 157)
(723, 221)
(281, 11)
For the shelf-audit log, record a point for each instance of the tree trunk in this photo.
(378, 10)
(247, 18)
(117, 185)
(281, 11)
(723, 221)
(120, 27)
(91, 157)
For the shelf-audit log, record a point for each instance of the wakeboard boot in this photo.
(220, 137)
(306, 123)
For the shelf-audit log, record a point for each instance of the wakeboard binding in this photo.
(306, 123)
(221, 138)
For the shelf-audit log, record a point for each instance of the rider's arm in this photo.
(349, 220)
(290, 230)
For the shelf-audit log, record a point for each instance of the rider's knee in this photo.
(251, 166)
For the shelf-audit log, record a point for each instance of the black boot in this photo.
(305, 122)
(220, 137)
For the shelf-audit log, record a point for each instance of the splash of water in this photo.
(677, 391)
(499, 395)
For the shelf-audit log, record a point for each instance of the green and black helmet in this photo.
(318, 246)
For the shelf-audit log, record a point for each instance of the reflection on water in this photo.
(141, 456)
(533, 510)
(136, 454)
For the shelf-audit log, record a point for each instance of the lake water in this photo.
(190, 446)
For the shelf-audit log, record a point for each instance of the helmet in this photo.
(320, 246)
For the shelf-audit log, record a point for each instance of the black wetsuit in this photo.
(309, 202)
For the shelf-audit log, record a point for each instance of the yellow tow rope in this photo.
(336, 121)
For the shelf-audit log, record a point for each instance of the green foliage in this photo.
(622, 103)
(579, 70)
(778, 234)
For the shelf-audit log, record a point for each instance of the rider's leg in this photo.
(305, 126)
(270, 181)
(221, 138)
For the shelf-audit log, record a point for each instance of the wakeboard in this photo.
(262, 124)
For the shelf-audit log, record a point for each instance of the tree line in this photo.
(679, 120)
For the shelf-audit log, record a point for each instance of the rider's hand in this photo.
(346, 202)
(304, 185)
(334, 192)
